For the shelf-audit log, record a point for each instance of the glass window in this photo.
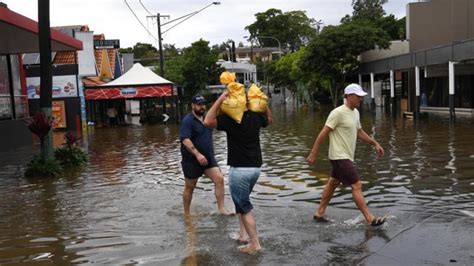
(21, 100)
(5, 98)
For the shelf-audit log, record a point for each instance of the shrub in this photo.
(69, 154)
(43, 168)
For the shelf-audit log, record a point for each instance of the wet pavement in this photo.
(125, 206)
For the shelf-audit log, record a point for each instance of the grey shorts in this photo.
(241, 182)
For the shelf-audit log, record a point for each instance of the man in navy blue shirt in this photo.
(197, 151)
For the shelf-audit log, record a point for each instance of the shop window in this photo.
(20, 98)
(5, 97)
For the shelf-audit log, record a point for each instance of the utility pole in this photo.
(160, 45)
(46, 95)
(162, 71)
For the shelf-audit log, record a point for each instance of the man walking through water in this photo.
(245, 159)
(343, 127)
(197, 152)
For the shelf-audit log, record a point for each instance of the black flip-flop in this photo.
(321, 219)
(378, 221)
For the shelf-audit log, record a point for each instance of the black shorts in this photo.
(193, 170)
(344, 171)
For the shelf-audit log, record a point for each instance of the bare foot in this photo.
(225, 212)
(243, 240)
(249, 250)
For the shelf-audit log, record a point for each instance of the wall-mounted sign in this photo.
(59, 114)
(63, 86)
(106, 44)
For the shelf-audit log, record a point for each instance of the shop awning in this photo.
(19, 34)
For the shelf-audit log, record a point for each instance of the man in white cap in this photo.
(343, 127)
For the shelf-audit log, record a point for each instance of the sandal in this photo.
(320, 219)
(378, 221)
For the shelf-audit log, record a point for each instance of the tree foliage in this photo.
(372, 11)
(194, 69)
(292, 29)
(334, 53)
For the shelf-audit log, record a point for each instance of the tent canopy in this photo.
(138, 82)
(136, 76)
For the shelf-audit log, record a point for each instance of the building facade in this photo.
(437, 72)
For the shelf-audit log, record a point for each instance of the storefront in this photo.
(19, 35)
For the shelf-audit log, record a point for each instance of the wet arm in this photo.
(211, 117)
(269, 115)
(188, 144)
(362, 135)
(317, 143)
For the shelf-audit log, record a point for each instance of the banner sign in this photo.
(63, 86)
(106, 44)
(128, 92)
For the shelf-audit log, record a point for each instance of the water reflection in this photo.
(125, 206)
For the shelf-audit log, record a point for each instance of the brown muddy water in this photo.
(124, 207)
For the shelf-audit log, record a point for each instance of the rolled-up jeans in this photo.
(241, 182)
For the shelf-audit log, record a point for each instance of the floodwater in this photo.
(125, 206)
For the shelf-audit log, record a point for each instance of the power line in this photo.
(145, 7)
(135, 15)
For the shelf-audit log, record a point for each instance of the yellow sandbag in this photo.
(257, 100)
(227, 77)
(234, 105)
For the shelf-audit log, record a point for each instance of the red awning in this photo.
(128, 92)
(19, 34)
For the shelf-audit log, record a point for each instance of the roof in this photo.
(92, 81)
(20, 35)
(65, 58)
(137, 75)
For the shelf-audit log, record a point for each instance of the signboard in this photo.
(63, 86)
(128, 93)
(59, 114)
(106, 44)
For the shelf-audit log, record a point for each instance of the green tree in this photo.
(144, 53)
(292, 29)
(372, 10)
(333, 54)
(368, 9)
(194, 69)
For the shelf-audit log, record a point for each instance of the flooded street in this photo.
(125, 206)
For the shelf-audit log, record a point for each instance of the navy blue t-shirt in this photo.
(201, 137)
(243, 140)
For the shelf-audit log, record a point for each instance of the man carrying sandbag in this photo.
(197, 151)
(245, 160)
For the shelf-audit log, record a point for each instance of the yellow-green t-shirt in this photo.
(344, 123)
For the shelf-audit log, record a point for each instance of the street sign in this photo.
(106, 44)
(166, 117)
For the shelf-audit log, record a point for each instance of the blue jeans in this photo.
(241, 182)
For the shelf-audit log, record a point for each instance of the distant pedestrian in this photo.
(245, 159)
(197, 152)
(344, 128)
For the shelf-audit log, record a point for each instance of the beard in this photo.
(200, 111)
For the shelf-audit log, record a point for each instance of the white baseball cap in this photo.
(354, 89)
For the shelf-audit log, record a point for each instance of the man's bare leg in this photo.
(251, 228)
(216, 176)
(243, 236)
(328, 191)
(360, 201)
(189, 185)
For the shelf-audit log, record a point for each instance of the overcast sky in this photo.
(216, 24)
